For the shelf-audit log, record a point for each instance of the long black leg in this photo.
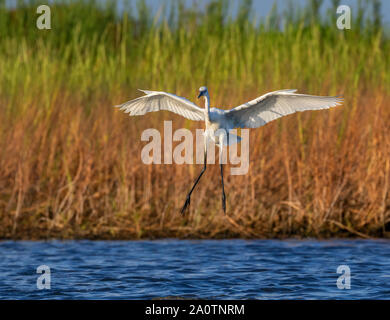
(188, 200)
(223, 191)
(222, 143)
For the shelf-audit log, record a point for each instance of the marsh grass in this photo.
(70, 164)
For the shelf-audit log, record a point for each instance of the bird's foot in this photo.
(186, 204)
(224, 203)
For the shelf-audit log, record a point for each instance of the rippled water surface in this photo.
(220, 269)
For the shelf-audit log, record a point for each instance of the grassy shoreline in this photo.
(69, 169)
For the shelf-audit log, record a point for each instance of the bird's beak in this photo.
(200, 94)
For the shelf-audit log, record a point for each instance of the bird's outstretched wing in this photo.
(158, 100)
(276, 104)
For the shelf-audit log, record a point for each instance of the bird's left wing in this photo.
(158, 100)
(276, 104)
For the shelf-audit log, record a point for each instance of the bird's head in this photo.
(202, 92)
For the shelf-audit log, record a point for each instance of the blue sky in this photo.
(261, 7)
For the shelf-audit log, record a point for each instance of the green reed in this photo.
(68, 162)
(92, 50)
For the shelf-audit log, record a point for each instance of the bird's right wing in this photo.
(158, 100)
(273, 105)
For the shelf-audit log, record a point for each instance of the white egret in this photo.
(219, 123)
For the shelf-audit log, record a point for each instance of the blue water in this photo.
(220, 269)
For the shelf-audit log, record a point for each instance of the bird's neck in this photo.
(207, 106)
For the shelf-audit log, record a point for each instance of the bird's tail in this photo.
(232, 139)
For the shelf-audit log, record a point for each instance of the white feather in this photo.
(274, 105)
(156, 100)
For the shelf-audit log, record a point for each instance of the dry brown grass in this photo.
(73, 174)
(70, 164)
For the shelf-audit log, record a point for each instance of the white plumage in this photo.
(155, 101)
(219, 122)
(273, 105)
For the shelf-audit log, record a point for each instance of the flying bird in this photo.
(219, 123)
